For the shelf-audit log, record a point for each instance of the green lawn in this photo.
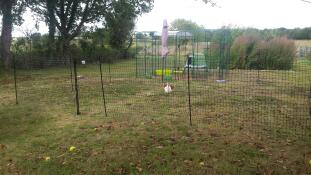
(245, 126)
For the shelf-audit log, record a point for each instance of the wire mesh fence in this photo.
(272, 102)
(204, 90)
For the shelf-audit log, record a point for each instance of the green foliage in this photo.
(309, 56)
(252, 52)
(219, 47)
(87, 47)
(34, 45)
(297, 33)
(267, 34)
(20, 45)
(19, 7)
(199, 33)
(121, 22)
(184, 25)
(241, 51)
(70, 17)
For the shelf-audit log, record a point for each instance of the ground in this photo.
(237, 128)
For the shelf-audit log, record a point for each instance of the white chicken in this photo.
(168, 88)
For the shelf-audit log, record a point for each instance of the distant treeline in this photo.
(249, 48)
(295, 34)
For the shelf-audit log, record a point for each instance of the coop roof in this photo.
(183, 34)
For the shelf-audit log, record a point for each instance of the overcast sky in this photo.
(242, 13)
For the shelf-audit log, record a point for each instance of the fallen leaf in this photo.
(109, 127)
(2, 146)
(187, 161)
(139, 169)
(159, 147)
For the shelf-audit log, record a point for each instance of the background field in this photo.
(303, 43)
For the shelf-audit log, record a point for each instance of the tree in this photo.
(46, 9)
(184, 25)
(52, 26)
(98, 36)
(69, 17)
(121, 21)
(306, 1)
(11, 11)
(213, 4)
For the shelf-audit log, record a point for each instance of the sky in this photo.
(238, 13)
(242, 13)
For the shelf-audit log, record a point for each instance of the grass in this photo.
(244, 126)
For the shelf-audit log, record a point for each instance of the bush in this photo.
(241, 51)
(275, 54)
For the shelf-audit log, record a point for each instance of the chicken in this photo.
(168, 88)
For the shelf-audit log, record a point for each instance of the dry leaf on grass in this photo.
(2, 146)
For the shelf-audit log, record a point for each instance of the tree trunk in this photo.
(65, 49)
(52, 27)
(126, 50)
(6, 33)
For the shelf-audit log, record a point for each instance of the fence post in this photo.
(102, 85)
(145, 55)
(136, 61)
(15, 79)
(163, 69)
(109, 69)
(189, 93)
(310, 101)
(76, 86)
(70, 66)
(206, 51)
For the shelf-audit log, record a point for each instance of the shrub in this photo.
(276, 54)
(241, 51)
(252, 53)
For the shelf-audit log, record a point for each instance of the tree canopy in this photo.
(184, 25)
(121, 20)
(70, 17)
